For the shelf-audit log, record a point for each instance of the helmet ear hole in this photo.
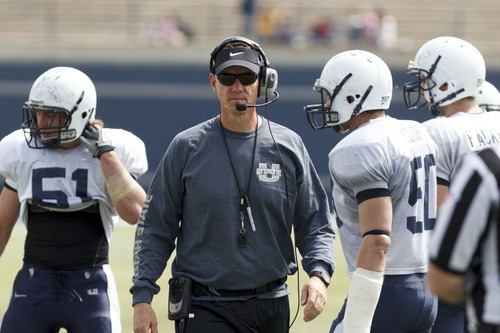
(84, 115)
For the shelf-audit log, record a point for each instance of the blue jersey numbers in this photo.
(422, 172)
(56, 198)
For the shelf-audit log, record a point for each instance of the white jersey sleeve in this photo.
(130, 150)
(393, 158)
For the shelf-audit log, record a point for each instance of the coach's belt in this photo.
(199, 289)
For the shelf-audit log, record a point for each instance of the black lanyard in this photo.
(244, 202)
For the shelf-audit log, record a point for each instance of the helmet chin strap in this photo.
(51, 142)
(435, 107)
(435, 110)
(339, 129)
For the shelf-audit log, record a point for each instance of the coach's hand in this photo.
(145, 318)
(313, 297)
(93, 138)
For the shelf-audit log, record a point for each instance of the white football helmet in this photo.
(488, 97)
(448, 69)
(58, 90)
(351, 82)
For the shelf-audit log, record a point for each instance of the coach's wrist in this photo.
(323, 276)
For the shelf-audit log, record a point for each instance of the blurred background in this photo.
(149, 58)
(149, 62)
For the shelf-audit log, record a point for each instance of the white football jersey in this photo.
(461, 134)
(396, 157)
(67, 179)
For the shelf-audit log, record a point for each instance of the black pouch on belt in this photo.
(179, 297)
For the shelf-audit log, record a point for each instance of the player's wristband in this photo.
(362, 300)
(120, 185)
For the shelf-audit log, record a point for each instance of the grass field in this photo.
(121, 263)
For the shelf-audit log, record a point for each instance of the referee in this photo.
(464, 247)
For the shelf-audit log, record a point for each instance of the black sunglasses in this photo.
(229, 79)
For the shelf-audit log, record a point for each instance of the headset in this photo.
(268, 77)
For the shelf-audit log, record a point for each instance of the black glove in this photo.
(93, 138)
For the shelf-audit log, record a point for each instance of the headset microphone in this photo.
(244, 106)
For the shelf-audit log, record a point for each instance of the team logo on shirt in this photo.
(270, 175)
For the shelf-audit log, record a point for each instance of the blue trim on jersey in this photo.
(444, 182)
(372, 193)
(9, 187)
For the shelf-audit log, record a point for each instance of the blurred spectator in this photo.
(355, 27)
(370, 20)
(286, 27)
(267, 21)
(170, 30)
(388, 32)
(277, 23)
(248, 12)
(324, 29)
(185, 28)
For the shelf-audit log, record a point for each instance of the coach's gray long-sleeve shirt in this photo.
(194, 199)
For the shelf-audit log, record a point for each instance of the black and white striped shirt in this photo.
(466, 238)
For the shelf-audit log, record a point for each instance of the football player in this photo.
(450, 72)
(488, 97)
(384, 189)
(69, 181)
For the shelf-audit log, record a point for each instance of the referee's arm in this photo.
(447, 286)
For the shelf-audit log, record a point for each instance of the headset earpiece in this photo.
(268, 82)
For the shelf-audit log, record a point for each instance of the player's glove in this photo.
(93, 138)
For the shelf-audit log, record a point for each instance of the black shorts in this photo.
(253, 315)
